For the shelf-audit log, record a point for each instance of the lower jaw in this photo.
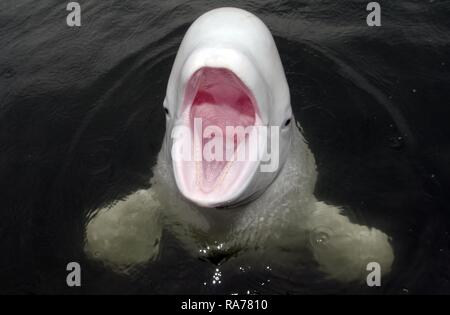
(224, 192)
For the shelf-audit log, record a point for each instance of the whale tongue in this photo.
(222, 100)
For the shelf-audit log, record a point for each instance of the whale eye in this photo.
(288, 121)
(166, 110)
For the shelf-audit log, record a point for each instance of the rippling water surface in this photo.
(81, 122)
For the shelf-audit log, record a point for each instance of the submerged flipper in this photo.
(126, 233)
(343, 249)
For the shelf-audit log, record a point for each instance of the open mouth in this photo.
(220, 102)
(219, 113)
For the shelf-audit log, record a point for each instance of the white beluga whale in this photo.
(234, 172)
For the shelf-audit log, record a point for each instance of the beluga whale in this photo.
(234, 175)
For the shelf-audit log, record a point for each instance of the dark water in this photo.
(81, 122)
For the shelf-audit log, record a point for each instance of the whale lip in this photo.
(218, 98)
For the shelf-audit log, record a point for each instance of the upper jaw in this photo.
(238, 63)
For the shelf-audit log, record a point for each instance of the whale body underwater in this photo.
(228, 72)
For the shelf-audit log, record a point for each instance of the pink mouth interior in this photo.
(220, 99)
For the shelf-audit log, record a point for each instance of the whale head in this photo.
(228, 112)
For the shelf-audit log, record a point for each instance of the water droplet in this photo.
(320, 236)
(396, 142)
